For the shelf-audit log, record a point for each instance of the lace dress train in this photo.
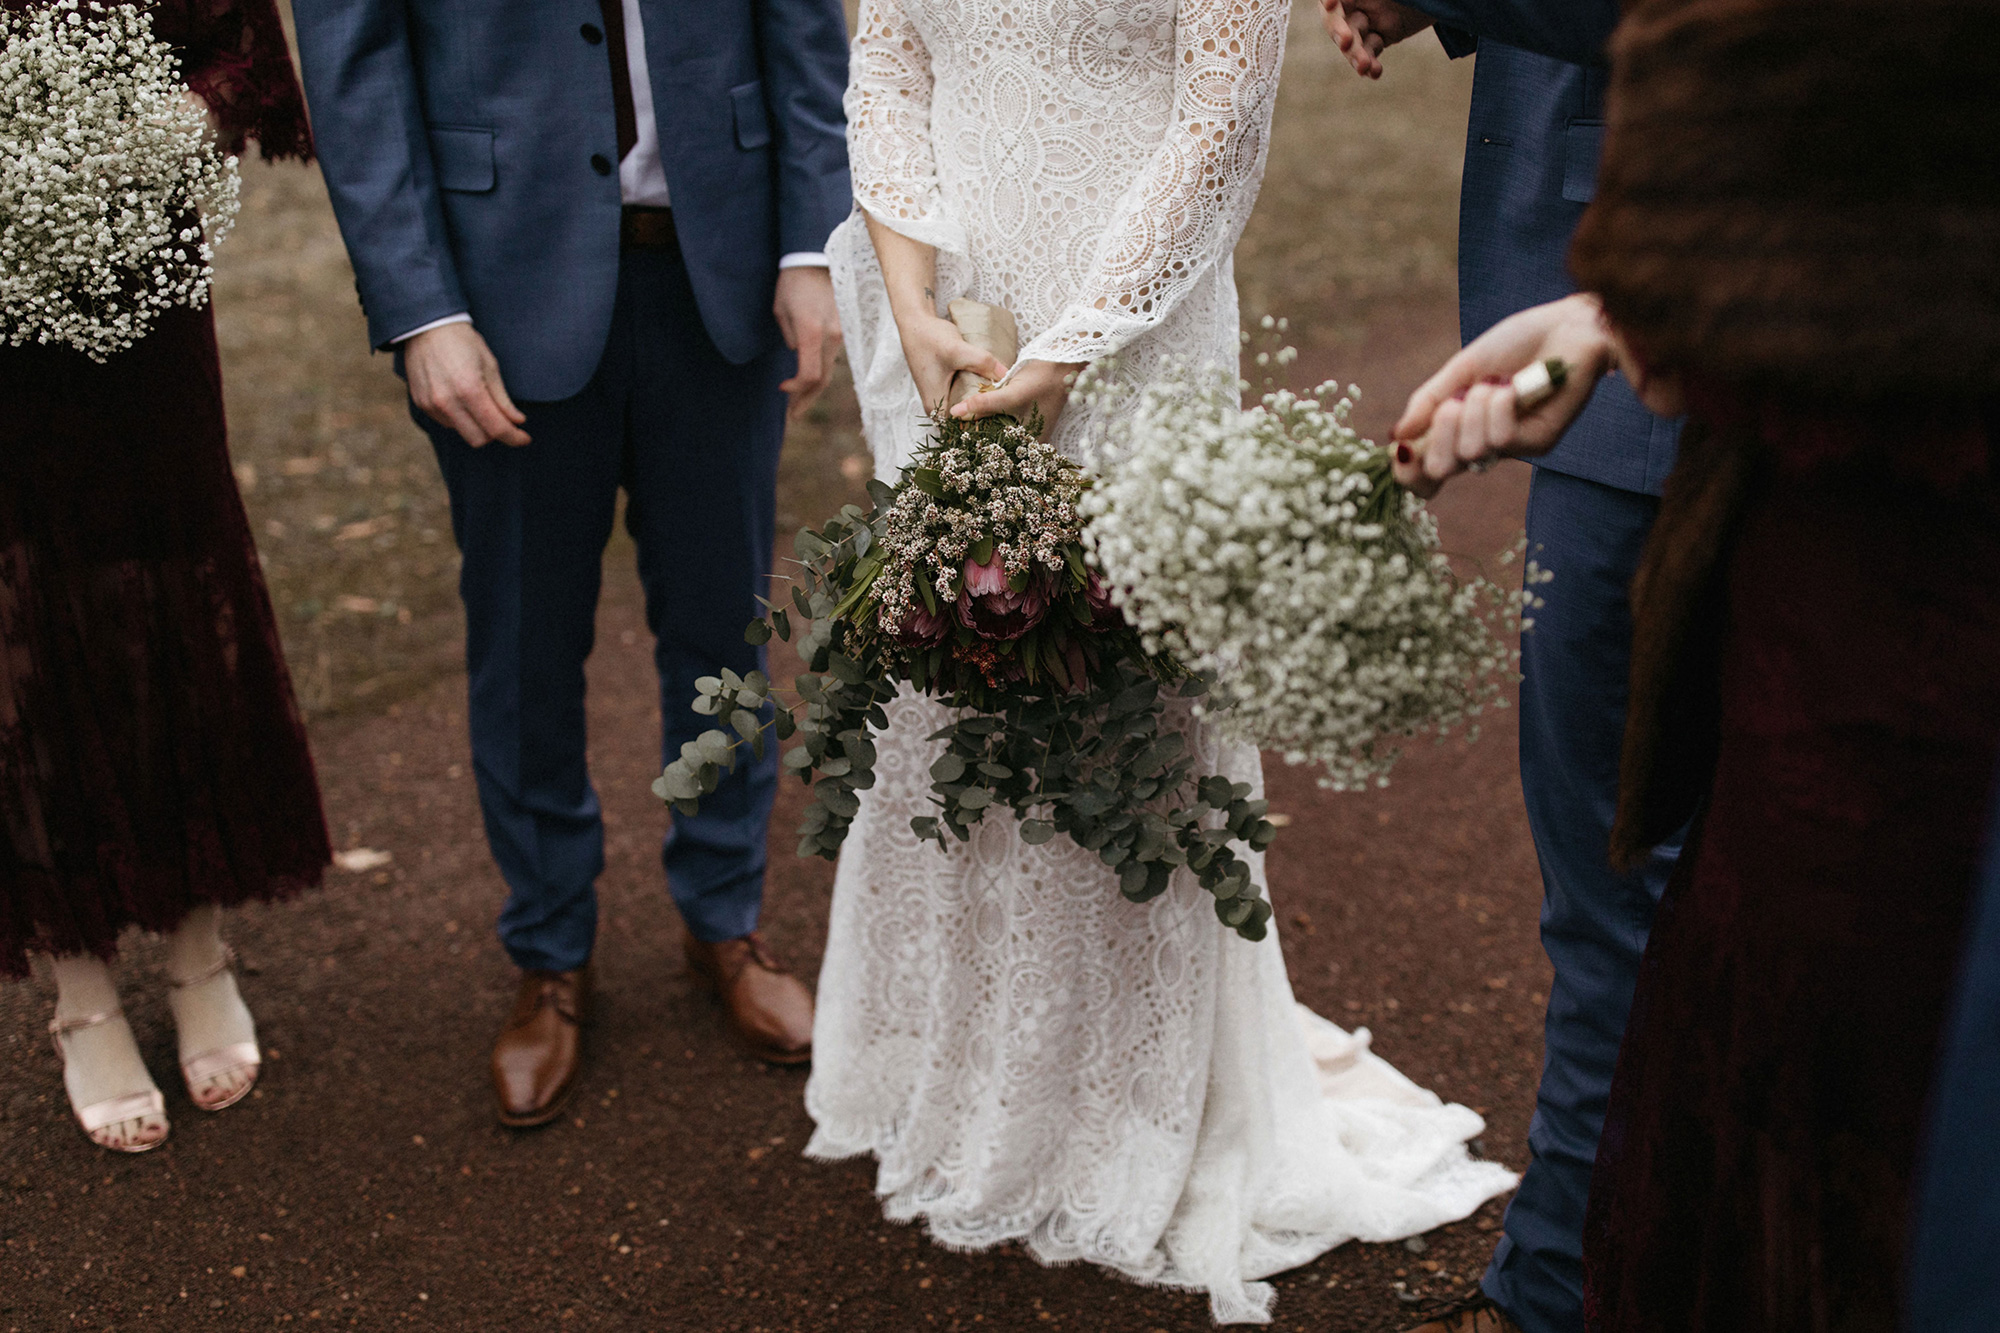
(1030, 1056)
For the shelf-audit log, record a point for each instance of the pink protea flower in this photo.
(992, 610)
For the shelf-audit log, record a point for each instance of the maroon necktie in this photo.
(621, 74)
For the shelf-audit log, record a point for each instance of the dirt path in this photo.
(365, 1185)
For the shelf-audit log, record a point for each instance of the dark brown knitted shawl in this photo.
(1798, 200)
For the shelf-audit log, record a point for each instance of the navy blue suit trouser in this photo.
(1574, 665)
(693, 440)
(1954, 1254)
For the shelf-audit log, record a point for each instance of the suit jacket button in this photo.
(592, 33)
(600, 164)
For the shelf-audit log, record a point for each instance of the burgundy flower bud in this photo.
(922, 627)
(1078, 665)
(1103, 615)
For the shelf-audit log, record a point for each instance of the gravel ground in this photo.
(365, 1184)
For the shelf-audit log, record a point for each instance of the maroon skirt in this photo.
(1755, 1170)
(152, 757)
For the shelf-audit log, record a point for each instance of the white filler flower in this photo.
(112, 191)
(1268, 546)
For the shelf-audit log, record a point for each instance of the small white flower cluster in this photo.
(1000, 484)
(1260, 545)
(107, 176)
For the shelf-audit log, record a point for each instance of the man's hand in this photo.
(811, 325)
(1466, 414)
(455, 380)
(1362, 28)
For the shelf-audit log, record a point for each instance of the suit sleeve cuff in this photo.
(460, 318)
(803, 259)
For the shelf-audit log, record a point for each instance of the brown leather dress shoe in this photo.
(538, 1056)
(1473, 1313)
(770, 1010)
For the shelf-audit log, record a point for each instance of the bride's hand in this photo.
(1036, 386)
(936, 351)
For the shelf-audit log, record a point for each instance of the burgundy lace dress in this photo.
(1756, 1163)
(151, 755)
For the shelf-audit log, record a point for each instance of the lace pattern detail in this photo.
(1096, 164)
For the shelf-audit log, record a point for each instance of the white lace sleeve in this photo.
(1187, 209)
(889, 128)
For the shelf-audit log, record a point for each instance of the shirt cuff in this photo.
(460, 318)
(804, 259)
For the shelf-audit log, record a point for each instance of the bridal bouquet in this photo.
(107, 174)
(967, 580)
(1270, 548)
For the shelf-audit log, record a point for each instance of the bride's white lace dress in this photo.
(1030, 1056)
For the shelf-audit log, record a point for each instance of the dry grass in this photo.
(1356, 225)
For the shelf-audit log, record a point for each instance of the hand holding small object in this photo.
(1483, 405)
(1032, 388)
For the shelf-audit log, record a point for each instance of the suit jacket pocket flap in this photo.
(463, 158)
(753, 124)
(1582, 143)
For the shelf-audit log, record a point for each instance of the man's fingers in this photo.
(1334, 20)
(482, 408)
(814, 354)
(451, 413)
(498, 392)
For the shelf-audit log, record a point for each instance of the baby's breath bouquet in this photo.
(1270, 548)
(967, 580)
(112, 191)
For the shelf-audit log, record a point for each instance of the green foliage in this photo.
(1087, 758)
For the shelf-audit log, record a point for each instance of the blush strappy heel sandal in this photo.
(99, 1118)
(200, 1069)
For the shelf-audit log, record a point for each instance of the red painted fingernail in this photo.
(1494, 379)
(1403, 454)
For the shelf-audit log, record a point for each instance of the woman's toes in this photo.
(140, 1132)
(218, 1090)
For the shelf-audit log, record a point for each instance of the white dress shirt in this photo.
(641, 178)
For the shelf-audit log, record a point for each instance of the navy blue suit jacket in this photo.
(1531, 151)
(468, 148)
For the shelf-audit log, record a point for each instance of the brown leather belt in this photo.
(645, 227)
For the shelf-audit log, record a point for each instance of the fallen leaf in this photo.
(367, 527)
(358, 859)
